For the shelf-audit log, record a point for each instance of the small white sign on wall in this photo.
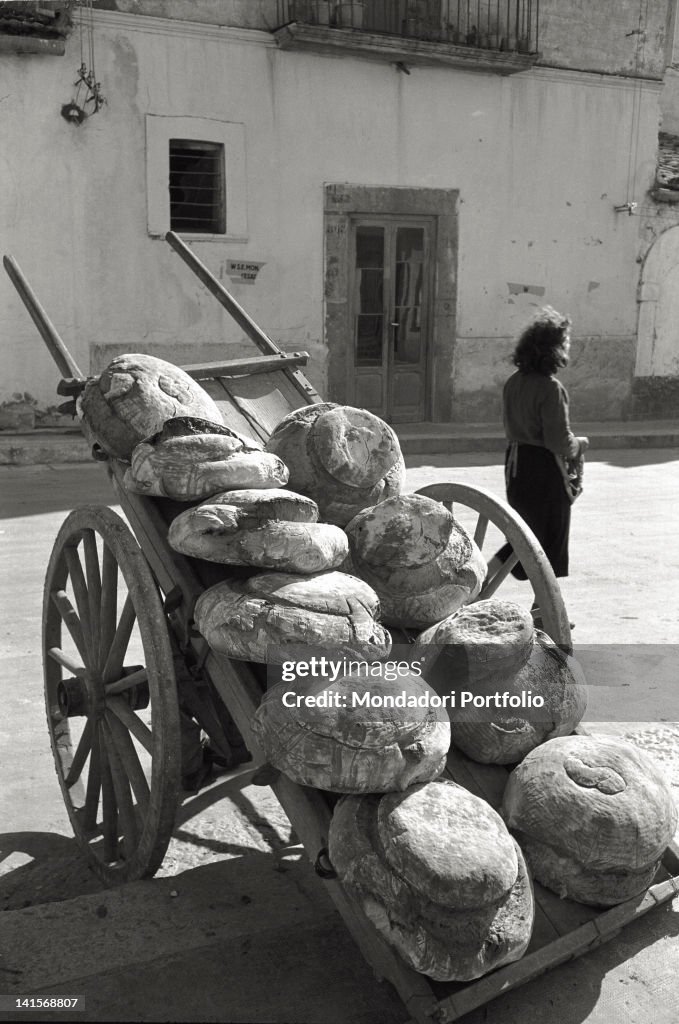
(243, 271)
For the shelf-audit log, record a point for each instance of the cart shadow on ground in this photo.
(226, 818)
(40, 489)
(235, 925)
(236, 900)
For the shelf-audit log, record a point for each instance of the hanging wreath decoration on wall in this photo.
(88, 98)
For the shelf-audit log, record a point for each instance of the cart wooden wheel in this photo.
(111, 695)
(527, 551)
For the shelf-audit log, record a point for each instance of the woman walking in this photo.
(541, 449)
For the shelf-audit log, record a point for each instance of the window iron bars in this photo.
(197, 187)
(504, 25)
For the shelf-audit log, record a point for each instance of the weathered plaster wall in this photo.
(539, 160)
(618, 37)
(669, 102)
(258, 14)
(669, 99)
(657, 349)
(611, 36)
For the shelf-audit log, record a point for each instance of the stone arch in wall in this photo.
(658, 330)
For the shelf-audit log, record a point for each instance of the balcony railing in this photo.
(509, 26)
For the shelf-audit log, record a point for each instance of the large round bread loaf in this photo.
(254, 619)
(344, 458)
(421, 563)
(593, 815)
(132, 399)
(438, 874)
(345, 736)
(252, 528)
(276, 503)
(190, 459)
(503, 735)
(480, 642)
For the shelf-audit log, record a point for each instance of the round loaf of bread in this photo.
(480, 642)
(410, 831)
(498, 733)
(593, 815)
(190, 459)
(421, 563)
(133, 398)
(436, 871)
(252, 528)
(256, 619)
(344, 458)
(345, 736)
(276, 503)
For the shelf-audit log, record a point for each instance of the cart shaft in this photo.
(245, 322)
(62, 357)
(255, 333)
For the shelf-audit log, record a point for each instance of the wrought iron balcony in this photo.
(499, 35)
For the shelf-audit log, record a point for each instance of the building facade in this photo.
(394, 197)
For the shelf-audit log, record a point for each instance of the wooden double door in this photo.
(390, 296)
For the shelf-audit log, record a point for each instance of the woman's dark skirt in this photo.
(536, 491)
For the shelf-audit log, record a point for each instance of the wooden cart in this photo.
(123, 664)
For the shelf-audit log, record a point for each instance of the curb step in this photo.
(454, 438)
(43, 447)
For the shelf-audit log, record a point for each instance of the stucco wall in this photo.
(619, 37)
(609, 36)
(259, 14)
(539, 159)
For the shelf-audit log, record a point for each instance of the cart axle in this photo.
(77, 699)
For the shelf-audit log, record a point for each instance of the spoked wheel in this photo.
(527, 551)
(111, 696)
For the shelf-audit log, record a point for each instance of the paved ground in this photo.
(66, 444)
(237, 926)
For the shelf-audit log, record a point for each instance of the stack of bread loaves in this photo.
(190, 459)
(154, 415)
(335, 550)
(593, 816)
(437, 873)
(420, 561)
(344, 742)
(346, 459)
(490, 648)
(269, 529)
(255, 619)
(133, 398)
(340, 459)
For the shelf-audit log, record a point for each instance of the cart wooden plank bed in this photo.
(124, 664)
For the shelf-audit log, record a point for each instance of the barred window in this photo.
(197, 187)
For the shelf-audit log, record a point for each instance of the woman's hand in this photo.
(584, 444)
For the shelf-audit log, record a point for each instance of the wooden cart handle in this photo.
(62, 357)
(245, 322)
(255, 333)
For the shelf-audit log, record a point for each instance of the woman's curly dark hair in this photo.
(540, 349)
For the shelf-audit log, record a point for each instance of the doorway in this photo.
(390, 297)
(657, 341)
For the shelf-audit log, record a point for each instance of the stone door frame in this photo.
(652, 280)
(343, 201)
